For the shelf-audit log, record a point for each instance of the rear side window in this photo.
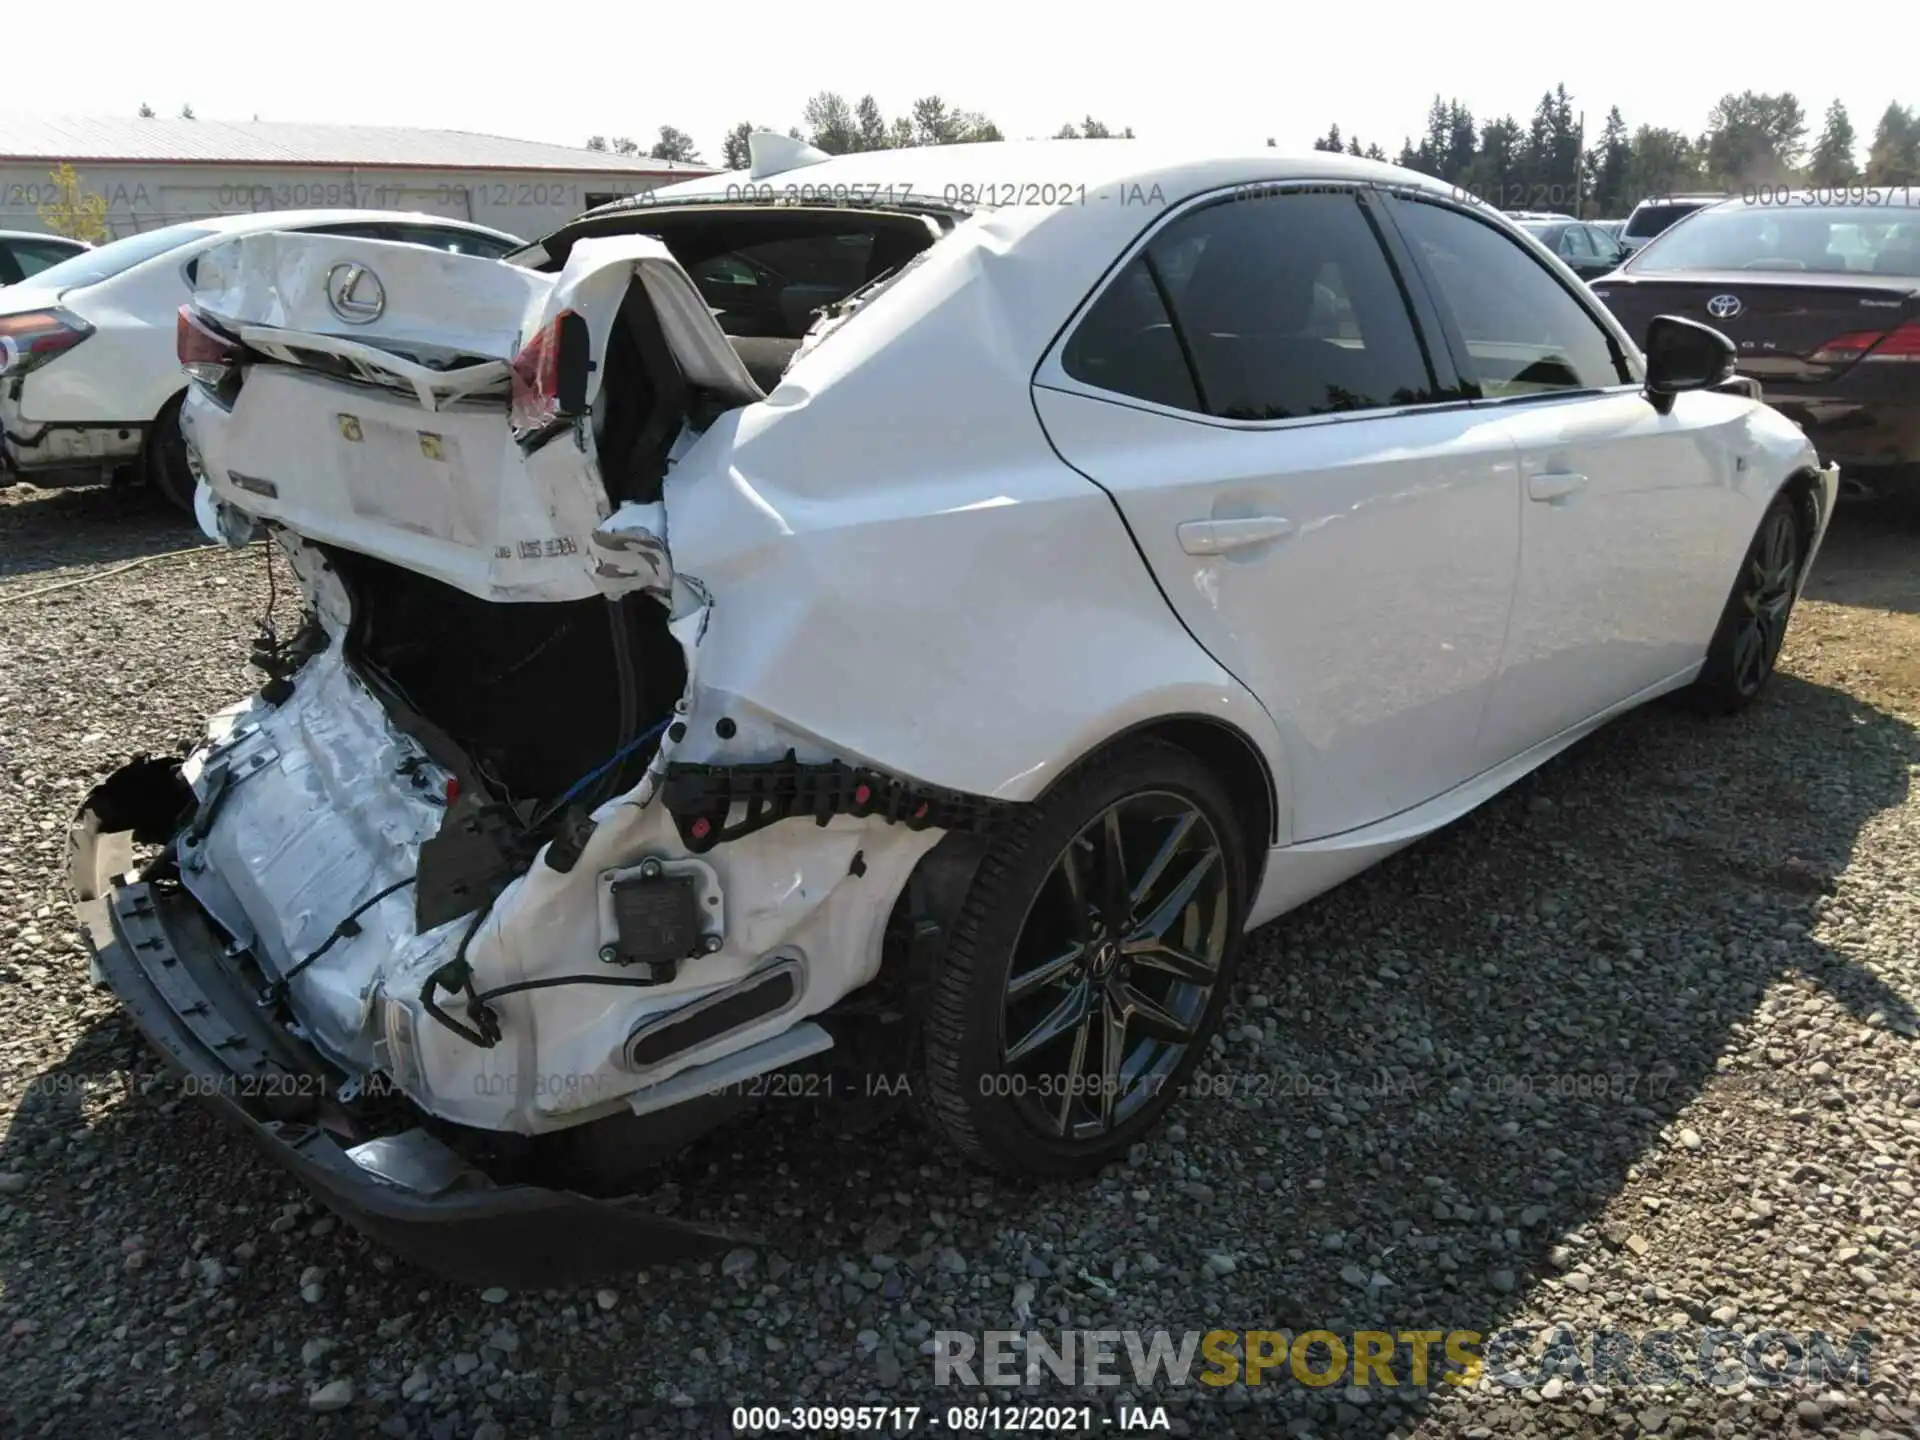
(1127, 344)
(1523, 330)
(1272, 308)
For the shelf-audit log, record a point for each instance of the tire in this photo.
(167, 473)
(1746, 644)
(1025, 1114)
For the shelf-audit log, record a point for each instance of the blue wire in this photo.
(592, 775)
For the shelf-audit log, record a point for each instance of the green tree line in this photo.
(1749, 139)
(831, 124)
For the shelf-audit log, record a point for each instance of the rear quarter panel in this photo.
(903, 571)
(128, 369)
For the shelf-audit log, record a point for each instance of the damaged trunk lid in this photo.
(499, 428)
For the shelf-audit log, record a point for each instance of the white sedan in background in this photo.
(90, 380)
(1145, 542)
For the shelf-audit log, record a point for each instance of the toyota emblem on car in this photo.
(1723, 307)
(355, 293)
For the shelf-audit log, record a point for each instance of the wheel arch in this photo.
(1802, 487)
(939, 882)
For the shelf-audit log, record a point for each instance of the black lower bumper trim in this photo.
(703, 799)
(409, 1192)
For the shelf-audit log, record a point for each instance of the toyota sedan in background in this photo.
(90, 382)
(24, 253)
(1822, 304)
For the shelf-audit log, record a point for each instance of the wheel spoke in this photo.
(1071, 1010)
(1162, 858)
(1076, 1067)
(1156, 954)
(1114, 1051)
(1044, 974)
(1113, 892)
(1075, 880)
(1154, 1019)
(1168, 910)
(1747, 651)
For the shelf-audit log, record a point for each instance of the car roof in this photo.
(1002, 174)
(42, 235)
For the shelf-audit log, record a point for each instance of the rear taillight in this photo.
(204, 352)
(549, 375)
(33, 337)
(1902, 343)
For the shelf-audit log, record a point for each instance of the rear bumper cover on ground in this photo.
(408, 1191)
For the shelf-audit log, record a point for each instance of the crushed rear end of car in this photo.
(470, 915)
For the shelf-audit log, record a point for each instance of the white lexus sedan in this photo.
(1121, 547)
(89, 378)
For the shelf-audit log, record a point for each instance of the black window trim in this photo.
(1443, 366)
(1627, 355)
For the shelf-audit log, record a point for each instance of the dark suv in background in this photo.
(1651, 217)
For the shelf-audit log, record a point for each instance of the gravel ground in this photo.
(1632, 1048)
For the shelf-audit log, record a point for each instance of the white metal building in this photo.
(152, 172)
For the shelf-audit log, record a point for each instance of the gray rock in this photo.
(334, 1395)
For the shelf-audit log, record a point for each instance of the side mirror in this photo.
(1682, 355)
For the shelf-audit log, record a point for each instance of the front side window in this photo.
(1524, 332)
(1273, 308)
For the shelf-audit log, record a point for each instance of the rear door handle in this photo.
(1217, 537)
(1554, 485)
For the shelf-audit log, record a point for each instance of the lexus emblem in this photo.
(355, 293)
(1723, 307)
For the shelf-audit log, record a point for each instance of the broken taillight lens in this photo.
(536, 380)
(1902, 343)
(550, 375)
(33, 337)
(205, 354)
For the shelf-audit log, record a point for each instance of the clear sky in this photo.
(1199, 70)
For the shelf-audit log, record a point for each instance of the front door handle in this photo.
(1555, 485)
(1217, 537)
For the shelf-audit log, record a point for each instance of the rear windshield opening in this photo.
(767, 272)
